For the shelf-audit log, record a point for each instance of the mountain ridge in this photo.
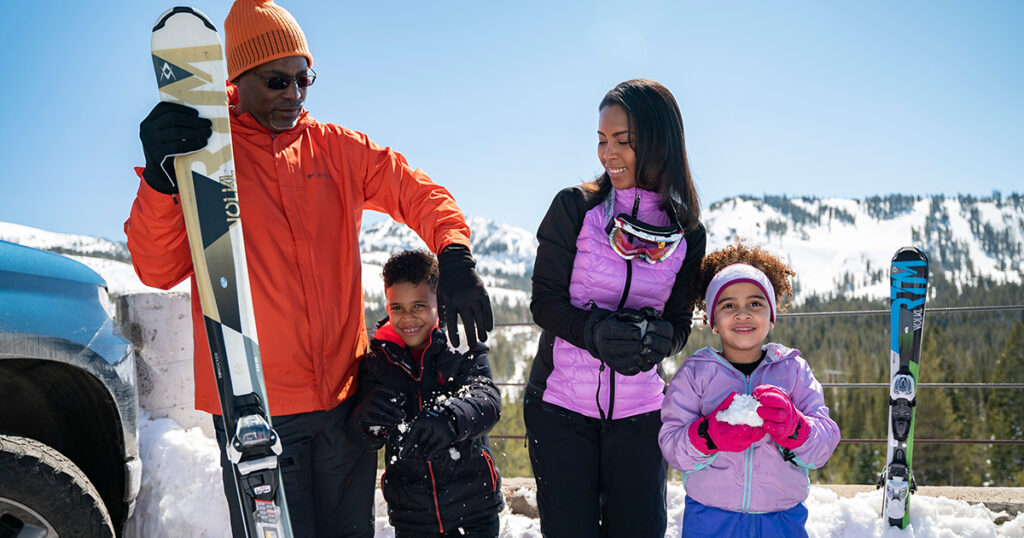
(839, 247)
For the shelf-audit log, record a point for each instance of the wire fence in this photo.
(931, 310)
(838, 313)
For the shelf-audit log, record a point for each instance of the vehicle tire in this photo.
(45, 494)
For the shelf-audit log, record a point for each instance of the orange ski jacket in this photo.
(301, 195)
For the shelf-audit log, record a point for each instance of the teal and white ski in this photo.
(909, 287)
(189, 63)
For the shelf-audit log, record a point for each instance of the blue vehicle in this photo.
(69, 454)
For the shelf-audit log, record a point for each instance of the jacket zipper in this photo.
(748, 457)
(490, 468)
(433, 488)
(622, 303)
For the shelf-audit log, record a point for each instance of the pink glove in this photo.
(711, 435)
(782, 420)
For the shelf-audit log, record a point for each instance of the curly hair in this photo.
(778, 273)
(412, 266)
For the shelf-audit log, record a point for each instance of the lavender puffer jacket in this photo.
(600, 277)
(758, 479)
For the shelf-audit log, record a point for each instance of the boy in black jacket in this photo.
(432, 407)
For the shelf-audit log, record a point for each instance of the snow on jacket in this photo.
(453, 488)
(576, 270)
(302, 194)
(759, 479)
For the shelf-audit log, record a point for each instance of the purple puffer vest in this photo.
(599, 275)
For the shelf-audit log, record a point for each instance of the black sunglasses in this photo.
(281, 82)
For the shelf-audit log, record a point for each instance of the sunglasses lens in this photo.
(278, 83)
(305, 81)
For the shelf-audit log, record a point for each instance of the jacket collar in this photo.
(385, 337)
(244, 123)
(773, 353)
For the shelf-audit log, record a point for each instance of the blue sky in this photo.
(498, 100)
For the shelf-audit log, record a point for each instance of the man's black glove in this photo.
(170, 129)
(380, 412)
(433, 430)
(461, 293)
(615, 341)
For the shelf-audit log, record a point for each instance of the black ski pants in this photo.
(596, 479)
(328, 479)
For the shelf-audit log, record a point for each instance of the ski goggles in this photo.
(280, 82)
(631, 238)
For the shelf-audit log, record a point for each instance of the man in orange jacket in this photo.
(302, 189)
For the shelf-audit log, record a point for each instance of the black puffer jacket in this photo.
(449, 490)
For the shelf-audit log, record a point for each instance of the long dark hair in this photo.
(656, 135)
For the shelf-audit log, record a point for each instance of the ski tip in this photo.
(910, 253)
(183, 9)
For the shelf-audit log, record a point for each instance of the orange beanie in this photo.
(258, 31)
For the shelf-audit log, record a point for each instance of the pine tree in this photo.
(1005, 412)
(936, 464)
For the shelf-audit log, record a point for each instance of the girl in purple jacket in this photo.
(613, 291)
(745, 472)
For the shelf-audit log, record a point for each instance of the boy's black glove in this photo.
(433, 430)
(461, 293)
(170, 129)
(615, 341)
(380, 412)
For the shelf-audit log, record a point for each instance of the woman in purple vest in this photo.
(613, 290)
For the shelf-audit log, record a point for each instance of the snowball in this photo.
(453, 453)
(743, 410)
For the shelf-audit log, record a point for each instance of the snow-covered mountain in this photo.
(80, 245)
(838, 247)
(504, 256)
(842, 247)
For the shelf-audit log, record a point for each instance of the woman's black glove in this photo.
(170, 129)
(433, 430)
(657, 343)
(614, 340)
(461, 293)
(380, 412)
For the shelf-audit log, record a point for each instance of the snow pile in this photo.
(858, 516)
(182, 496)
(181, 491)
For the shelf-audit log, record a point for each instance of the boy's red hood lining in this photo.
(388, 333)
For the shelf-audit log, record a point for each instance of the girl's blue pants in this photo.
(701, 521)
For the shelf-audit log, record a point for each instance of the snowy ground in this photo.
(181, 496)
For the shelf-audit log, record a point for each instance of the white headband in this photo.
(731, 274)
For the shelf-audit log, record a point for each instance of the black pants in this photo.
(596, 479)
(328, 480)
(487, 528)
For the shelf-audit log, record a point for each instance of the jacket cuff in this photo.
(595, 316)
(700, 438)
(799, 436)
